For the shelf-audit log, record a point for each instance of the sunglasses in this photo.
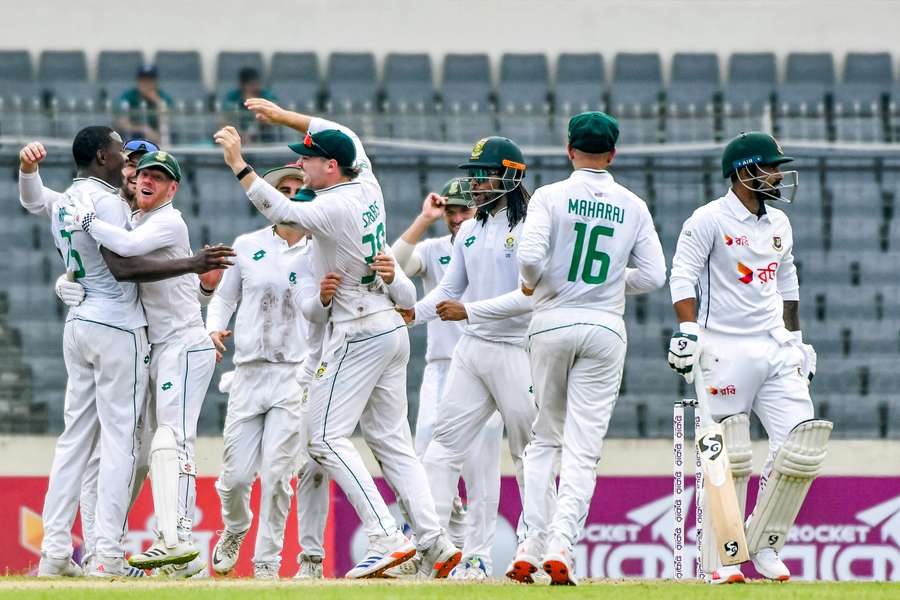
(139, 146)
(481, 175)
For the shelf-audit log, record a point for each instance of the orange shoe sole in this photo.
(442, 569)
(558, 572)
(399, 558)
(522, 571)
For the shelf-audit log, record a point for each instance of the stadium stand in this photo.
(845, 218)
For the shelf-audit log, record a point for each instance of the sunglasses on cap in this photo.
(310, 143)
(139, 146)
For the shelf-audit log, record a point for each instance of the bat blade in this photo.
(721, 499)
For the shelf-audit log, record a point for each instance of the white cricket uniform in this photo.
(263, 422)
(744, 266)
(183, 357)
(362, 375)
(106, 354)
(580, 237)
(489, 370)
(38, 200)
(481, 468)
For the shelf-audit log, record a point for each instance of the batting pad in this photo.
(796, 466)
(164, 473)
(736, 430)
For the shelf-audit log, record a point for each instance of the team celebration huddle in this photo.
(524, 306)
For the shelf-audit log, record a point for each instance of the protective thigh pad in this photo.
(736, 429)
(796, 466)
(165, 470)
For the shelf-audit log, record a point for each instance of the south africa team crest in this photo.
(320, 372)
(509, 244)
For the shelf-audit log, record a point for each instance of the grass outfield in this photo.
(22, 588)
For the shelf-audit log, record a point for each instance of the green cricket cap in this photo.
(330, 144)
(594, 132)
(752, 148)
(161, 160)
(455, 191)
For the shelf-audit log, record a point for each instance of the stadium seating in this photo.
(845, 219)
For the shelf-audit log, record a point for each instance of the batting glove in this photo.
(70, 292)
(683, 348)
(808, 366)
(80, 213)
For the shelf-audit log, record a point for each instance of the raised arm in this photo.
(141, 269)
(405, 246)
(33, 196)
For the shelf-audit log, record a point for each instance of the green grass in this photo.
(22, 588)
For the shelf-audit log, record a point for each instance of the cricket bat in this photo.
(722, 505)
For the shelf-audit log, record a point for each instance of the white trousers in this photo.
(313, 498)
(362, 381)
(262, 435)
(756, 373)
(180, 372)
(88, 501)
(105, 392)
(577, 371)
(484, 377)
(480, 470)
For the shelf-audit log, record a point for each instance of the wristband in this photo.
(244, 172)
(207, 292)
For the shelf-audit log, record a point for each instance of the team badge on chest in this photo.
(776, 243)
(509, 244)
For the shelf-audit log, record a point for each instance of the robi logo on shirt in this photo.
(746, 273)
(742, 240)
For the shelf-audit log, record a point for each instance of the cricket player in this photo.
(471, 529)
(264, 421)
(183, 356)
(581, 235)
(362, 375)
(489, 370)
(746, 335)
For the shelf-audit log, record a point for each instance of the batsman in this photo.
(739, 251)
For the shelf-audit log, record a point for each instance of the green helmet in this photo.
(496, 159)
(752, 147)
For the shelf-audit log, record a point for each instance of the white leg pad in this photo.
(740, 454)
(165, 469)
(796, 466)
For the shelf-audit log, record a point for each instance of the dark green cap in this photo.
(752, 148)
(594, 132)
(304, 194)
(330, 144)
(495, 152)
(455, 191)
(161, 160)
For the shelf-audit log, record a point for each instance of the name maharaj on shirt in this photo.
(596, 210)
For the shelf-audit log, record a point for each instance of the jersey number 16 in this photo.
(592, 256)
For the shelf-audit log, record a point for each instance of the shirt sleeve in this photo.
(786, 276)
(409, 257)
(401, 290)
(34, 197)
(534, 249)
(691, 254)
(316, 216)
(649, 263)
(225, 300)
(154, 234)
(510, 304)
(452, 285)
(308, 294)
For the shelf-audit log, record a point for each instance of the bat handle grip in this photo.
(70, 275)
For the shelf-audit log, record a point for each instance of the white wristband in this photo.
(689, 327)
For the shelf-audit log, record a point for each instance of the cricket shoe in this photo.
(87, 562)
(384, 552)
(730, 574)
(196, 569)
(526, 564)
(471, 569)
(58, 567)
(267, 571)
(439, 559)
(559, 563)
(770, 566)
(114, 568)
(160, 555)
(405, 570)
(227, 550)
(310, 567)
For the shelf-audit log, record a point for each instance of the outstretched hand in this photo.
(266, 111)
(30, 156)
(230, 141)
(212, 257)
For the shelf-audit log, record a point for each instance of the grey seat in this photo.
(179, 66)
(467, 83)
(801, 99)
(408, 83)
(580, 83)
(17, 78)
(63, 75)
(691, 97)
(295, 79)
(859, 99)
(116, 70)
(524, 83)
(748, 93)
(635, 96)
(229, 65)
(351, 82)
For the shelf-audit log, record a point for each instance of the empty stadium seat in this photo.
(634, 98)
(351, 82)
(408, 83)
(747, 96)
(860, 98)
(116, 71)
(801, 99)
(295, 79)
(467, 83)
(691, 97)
